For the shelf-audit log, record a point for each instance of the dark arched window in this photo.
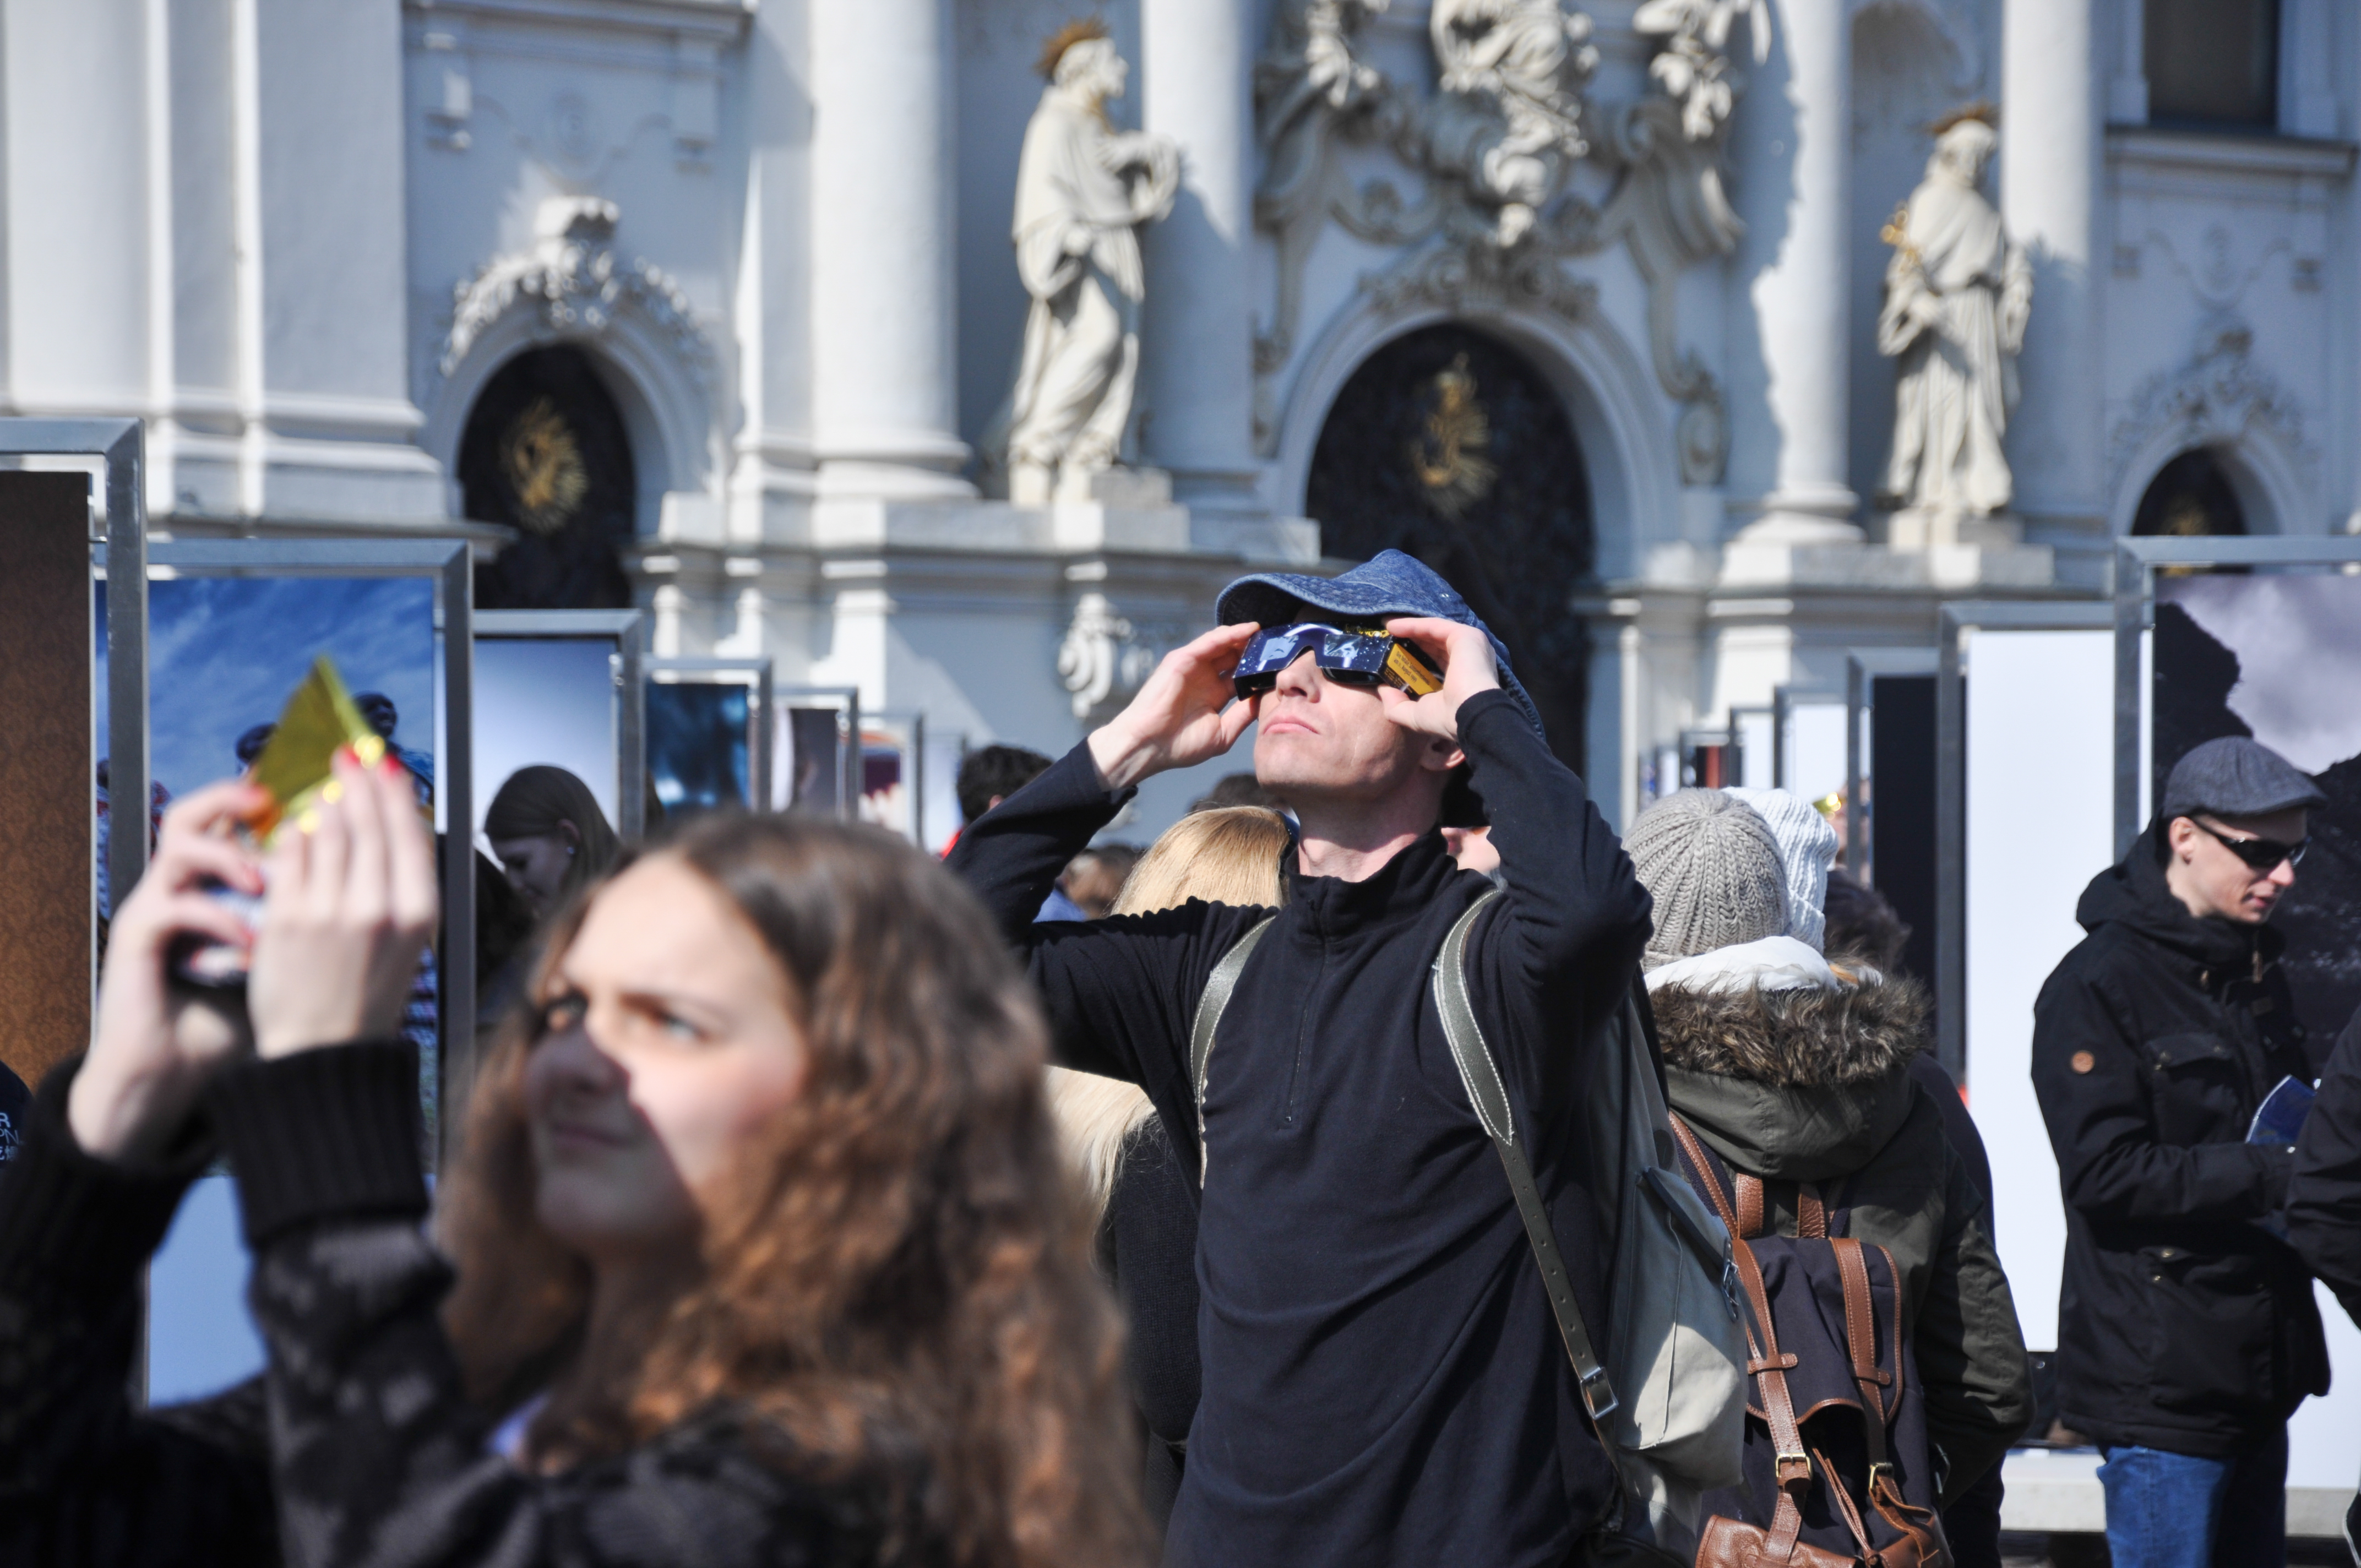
(2189, 497)
(546, 453)
(2212, 64)
(1447, 444)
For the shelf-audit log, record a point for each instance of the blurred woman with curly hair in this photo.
(763, 1250)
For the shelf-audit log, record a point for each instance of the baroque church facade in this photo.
(710, 306)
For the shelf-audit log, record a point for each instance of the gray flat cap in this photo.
(2236, 777)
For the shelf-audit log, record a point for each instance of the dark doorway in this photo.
(546, 453)
(1447, 444)
(2189, 497)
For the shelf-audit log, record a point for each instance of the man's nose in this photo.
(2283, 874)
(1302, 677)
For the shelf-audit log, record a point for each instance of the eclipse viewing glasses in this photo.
(1362, 656)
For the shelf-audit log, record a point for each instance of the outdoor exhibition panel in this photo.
(2023, 800)
(817, 763)
(2262, 637)
(709, 725)
(231, 626)
(564, 688)
(57, 739)
(1890, 787)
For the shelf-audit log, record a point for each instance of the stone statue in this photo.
(1082, 189)
(1957, 293)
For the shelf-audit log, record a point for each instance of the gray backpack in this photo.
(1669, 1398)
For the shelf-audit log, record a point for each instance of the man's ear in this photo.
(1438, 755)
(2179, 833)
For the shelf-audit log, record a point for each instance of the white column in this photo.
(2049, 148)
(771, 478)
(884, 393)
(1197, 347)
(1795, 190)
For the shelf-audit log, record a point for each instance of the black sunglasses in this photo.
(1355, 655)
(2261, 854)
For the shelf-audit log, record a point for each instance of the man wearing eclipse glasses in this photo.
(1382, 1375)
(2187, 1333)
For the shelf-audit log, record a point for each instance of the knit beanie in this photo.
(1807, 847)
(1713, 869)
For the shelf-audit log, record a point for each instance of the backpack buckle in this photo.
(1801, 1463)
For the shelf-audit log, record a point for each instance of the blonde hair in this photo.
(1230, 855)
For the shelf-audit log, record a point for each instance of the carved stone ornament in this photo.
(1102, 656)
(574, 280)
(1493, 147)
(2219, 396)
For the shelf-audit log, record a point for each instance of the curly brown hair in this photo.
(895, 1288)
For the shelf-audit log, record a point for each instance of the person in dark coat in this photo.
(1383, 1378)
(2323, 1202)
(2187, 1333)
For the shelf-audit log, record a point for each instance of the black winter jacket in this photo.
(2323, 1202)
(2183, 1324)
(355, 1445)
(1383, 1380)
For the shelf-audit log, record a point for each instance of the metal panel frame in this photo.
(2136, 563)
(1862, 667)
(1951, 791)
(848, 779)
(765, 728)
(449, 565)
(623, 627)
(121, 445)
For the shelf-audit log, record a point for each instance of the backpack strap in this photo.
(1489, 1095)
(1210, 1004)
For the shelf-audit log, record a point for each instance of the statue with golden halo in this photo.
(1082, 191)
(1957, 293)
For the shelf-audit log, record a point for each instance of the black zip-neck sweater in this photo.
(1383, 1382)
(356, 1445)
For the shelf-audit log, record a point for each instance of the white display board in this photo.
(1815, 746)
(2040, 824)
(1751, 728)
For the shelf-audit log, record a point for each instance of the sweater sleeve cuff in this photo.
(1072, 783)
(1476, 724)
(327, 1134)
(74, 1223)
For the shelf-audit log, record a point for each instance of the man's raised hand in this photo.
(1468, 667)
(1185, 714)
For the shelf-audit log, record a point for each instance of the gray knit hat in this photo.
(1807, 847)
(1713, 869)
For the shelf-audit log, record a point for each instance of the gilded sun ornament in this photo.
(1449, 453)
(544, 467)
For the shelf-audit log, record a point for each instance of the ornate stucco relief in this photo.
(2219, 397)
(1492, 146)
(575, 283)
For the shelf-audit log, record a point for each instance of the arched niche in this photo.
(1449, 445)
(545, 451)
(1621, 421)
(2265, 483)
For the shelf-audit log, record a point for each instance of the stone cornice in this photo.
(720, 20)
(2213, 152)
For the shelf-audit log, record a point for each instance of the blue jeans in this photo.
(2173, 1510)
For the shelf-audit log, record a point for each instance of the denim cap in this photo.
(1388, 584)
(2233, 776)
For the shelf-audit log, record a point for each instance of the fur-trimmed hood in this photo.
(1801, 1085)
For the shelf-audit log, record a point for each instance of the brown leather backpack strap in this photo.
(1847, 1509)
(1811, 1214)
(1749, 1205)
(1791, 1463)
(1695, 1151)
(1861, 1341)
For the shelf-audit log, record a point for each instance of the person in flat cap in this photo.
(1383, 1380)
(2187, 1333)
